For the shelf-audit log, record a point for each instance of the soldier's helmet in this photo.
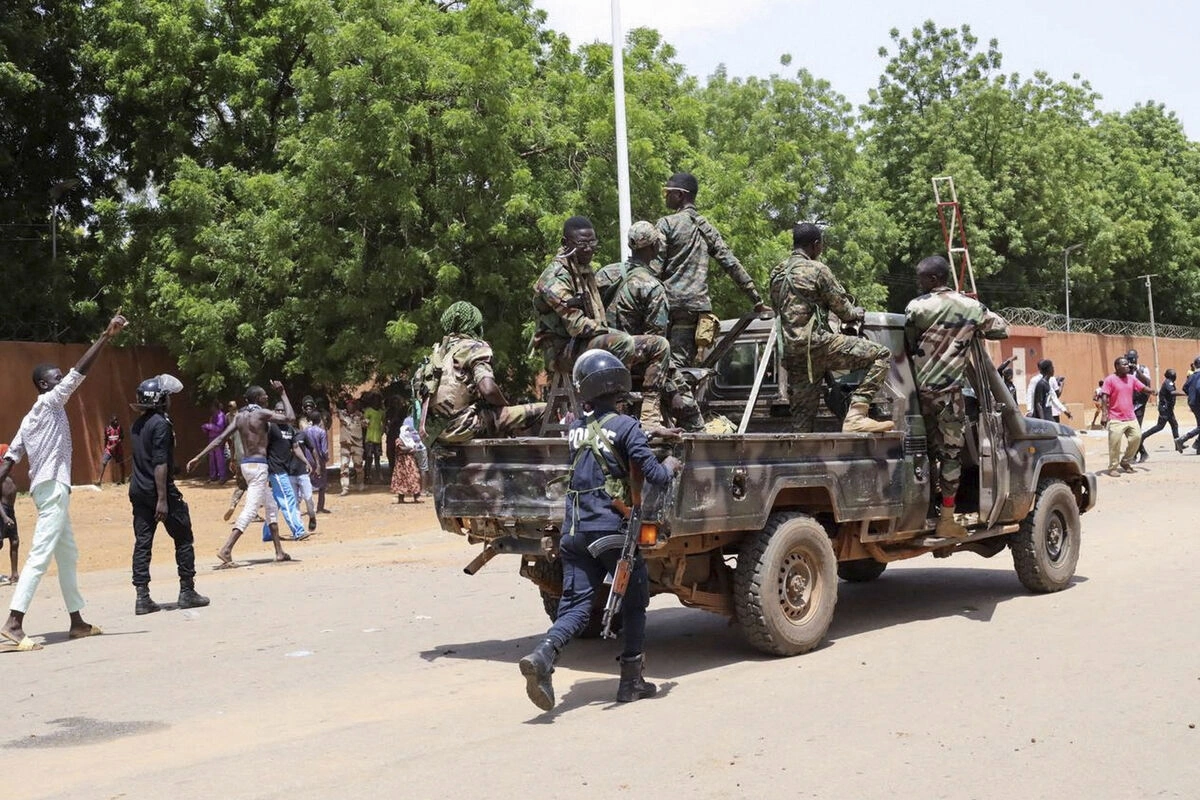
(152, 393)
(599, 372)
(644, 234)
(685, 181)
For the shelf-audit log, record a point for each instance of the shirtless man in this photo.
(252, 423)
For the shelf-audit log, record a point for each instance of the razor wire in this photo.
(1105, 327)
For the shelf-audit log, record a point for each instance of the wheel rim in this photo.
(797, 585)
(1056, 537)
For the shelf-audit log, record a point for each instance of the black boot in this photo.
(144, 604)
(537, 667)
(632, 686)
(188, 596)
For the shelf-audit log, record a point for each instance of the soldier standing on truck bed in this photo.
(605, 447)
(803, 292)
(939, 327)
(636, 302)
(690, 241)
(570, 319)
(460, 399)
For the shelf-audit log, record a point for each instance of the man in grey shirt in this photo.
(45, 438)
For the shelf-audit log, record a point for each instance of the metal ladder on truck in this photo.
(955, 235)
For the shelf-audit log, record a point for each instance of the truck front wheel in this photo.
(1046, 548)
(785, 586)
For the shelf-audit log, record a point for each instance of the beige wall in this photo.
(108, 389)
(1085, 358)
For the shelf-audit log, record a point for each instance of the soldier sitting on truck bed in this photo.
(570, 319)
(690, 241)
(803, 292)
(636, 302)
(939, 327)
(460, 397)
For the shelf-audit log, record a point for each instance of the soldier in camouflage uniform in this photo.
(939, 327)
(803, 291)
(461, 400)
(690, 241)
(636, 302)
(571, 319)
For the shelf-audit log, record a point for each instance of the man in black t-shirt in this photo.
(155, 499)
(283, 446)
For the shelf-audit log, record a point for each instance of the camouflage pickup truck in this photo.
(759, 526)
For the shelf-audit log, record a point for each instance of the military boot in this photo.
(948, 527)
(857, 421)
(537, 667)
(633, 686)
(651, 412)
(188, 596)
(687, 415)
(144, 604)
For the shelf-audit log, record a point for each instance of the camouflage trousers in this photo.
(945, 416)
(482, 421)
(352, 458)
(681, 334)
(831, 352)
(649, 355)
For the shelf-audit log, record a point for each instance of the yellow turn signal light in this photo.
(648, 535)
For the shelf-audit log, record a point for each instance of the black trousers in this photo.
(1163, 421)
(179, 526)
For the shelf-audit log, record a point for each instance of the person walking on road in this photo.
(45, 437)
(154, 497)
(1166, 408)
(606, 449)
(1124, 432)
(1191, 389)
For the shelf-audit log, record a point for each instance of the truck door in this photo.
(993, 463)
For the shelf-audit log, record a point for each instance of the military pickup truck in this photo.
(760, 525)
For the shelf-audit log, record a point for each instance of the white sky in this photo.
(1130, 52)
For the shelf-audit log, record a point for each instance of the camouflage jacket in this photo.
(634, 298)
(803, 292)
(691, 240)
(450, 376)
(939, 327)
(567, 303)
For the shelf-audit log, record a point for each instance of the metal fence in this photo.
(1108, 327)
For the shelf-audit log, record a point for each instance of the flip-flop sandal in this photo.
(226, 565)
(24, 646)
(92, 630)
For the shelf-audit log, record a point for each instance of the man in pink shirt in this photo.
(1117, 394)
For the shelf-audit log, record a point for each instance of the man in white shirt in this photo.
(45, 438)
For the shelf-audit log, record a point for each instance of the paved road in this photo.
(377, 669)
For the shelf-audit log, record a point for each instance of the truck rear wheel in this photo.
(860, 570)
(1046, 548)
(785, 586)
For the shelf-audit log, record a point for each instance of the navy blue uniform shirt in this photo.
(153, 440)
(622, 435)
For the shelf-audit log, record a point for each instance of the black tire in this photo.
(594, 626)
(1046, 549)
(861, 570)
(785, 586)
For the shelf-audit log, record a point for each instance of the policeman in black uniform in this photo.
(601, 381)
(154, 497)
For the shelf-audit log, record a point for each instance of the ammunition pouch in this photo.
(708, 326)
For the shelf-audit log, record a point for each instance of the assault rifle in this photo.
(629, 545)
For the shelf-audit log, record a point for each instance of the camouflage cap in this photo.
(644, 234)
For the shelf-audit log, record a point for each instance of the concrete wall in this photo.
(108, 390)
(1086, 358)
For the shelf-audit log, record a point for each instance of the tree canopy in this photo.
(300, 187)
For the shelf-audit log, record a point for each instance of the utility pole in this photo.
(624, 207)
(1067, 279)
(1153, 330)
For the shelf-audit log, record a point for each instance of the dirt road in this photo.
(374, 667)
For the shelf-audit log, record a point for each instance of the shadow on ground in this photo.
(684, 641)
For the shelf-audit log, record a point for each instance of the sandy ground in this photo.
(373, 665)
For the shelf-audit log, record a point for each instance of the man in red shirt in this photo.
(1117, 394)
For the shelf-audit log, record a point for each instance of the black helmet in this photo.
(152, 393)
(597, 373)
(685, 181)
